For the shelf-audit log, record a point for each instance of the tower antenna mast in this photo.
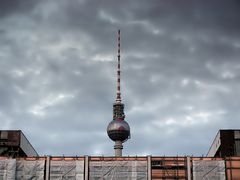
(118, 98)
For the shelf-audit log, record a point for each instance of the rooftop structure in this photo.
(226, 143)
(14, 143)
(118, 129)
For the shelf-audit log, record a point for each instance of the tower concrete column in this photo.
(118, 148)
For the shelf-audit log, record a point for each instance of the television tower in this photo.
(118, 129)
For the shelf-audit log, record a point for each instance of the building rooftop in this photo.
(15, 144)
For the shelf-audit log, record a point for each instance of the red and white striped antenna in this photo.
(118, 98)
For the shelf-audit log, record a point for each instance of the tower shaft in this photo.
(118, 148)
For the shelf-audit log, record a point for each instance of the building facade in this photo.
(225, 144)
(14, 143)
(120, 168)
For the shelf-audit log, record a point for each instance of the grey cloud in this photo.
(16, 7)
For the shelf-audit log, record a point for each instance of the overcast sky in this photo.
(180, 73)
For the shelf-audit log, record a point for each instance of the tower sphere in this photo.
(118, 130)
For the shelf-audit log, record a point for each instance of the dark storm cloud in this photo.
(15, 7)
(180, 78)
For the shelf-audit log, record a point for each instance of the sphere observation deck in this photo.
(118, 130)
